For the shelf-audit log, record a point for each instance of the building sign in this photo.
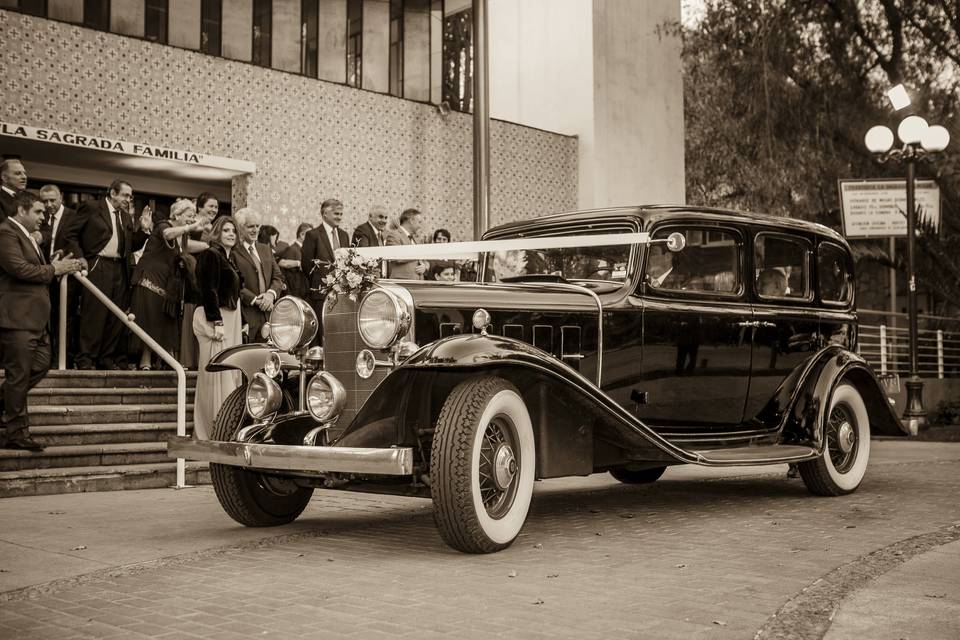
(877, 208)
(122, 146)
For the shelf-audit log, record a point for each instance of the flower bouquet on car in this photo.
(351, 274)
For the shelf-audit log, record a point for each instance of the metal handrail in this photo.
(128, 320)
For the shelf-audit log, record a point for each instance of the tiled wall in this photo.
(311, 140)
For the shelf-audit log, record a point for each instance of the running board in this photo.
(761, 454)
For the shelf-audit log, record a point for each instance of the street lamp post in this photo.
(920, 141)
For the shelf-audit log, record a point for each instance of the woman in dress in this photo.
(216, 322)
(158, 281)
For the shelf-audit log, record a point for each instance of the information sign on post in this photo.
(877, 208)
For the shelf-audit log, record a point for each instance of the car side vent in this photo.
(570, 348)
(543, 337)
(513, 331)
(450, 329)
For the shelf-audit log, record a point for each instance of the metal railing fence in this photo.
(884, 341)
(130, 323)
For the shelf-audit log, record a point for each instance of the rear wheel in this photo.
(642, 476)
(252, 499)
(482, 466)
(841, 468)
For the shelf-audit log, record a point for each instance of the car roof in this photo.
(647, 215)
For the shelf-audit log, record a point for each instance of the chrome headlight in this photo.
(272, 365)
(293, 324)
(383, 318)
(325, 397)
(263, 396)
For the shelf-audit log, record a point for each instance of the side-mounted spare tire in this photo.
(482, 465)
(253, 499)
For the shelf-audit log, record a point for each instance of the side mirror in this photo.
(676, 242)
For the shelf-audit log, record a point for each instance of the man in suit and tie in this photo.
(262, 280)
(105, 235)
(319, 246)
(408, 233)
(370, 233)
(25, 277)
(13, 179)
(52, 233)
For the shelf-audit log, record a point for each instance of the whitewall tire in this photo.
(841, 468)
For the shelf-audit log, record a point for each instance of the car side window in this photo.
(781, 267)
(709, 262)
(834, 274)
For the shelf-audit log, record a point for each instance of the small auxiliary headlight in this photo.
(366, 363)
(325, 397)
(272, 366)
(481, 319)
(263, 396)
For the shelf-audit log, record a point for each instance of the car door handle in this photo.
(767, 324)
(748, 323)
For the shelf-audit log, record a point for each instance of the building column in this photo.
(184, 21)
(127, 17)
(285, 40)
(66, 10)
(332, 41)
(376, 45)
(416, 50)
(436, 51)
(236, 29)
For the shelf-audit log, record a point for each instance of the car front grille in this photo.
(341, 344)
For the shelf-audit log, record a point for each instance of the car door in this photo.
(786, 319)
(696, 330)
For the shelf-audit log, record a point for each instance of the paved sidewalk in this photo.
(919, 600)
(701, 553)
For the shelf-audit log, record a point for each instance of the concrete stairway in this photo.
(103, 430)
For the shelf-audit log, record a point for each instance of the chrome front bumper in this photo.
(278, 457)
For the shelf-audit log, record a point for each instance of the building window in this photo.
(458, 60)
(309, 26)
(33, 7)
(262, 31)
(96, 14)
(155, 17)
(210, 18)
(396, 47)
(354, 42)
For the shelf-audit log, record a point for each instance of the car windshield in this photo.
(606, 263)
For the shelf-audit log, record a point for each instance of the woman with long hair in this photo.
(207, 208)
(216, 322)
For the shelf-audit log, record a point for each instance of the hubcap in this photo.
(499, 466)
(846, 437)
(504, 466)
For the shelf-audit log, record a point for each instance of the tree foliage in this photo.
(779, 94)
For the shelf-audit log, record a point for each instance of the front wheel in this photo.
(482, 466)
(841, 468)
(252, 499)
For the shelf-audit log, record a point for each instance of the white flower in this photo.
(354, 279)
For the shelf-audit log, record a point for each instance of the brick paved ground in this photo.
(688, 557)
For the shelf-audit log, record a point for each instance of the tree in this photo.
(779, 93)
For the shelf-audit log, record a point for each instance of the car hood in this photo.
(493, 296)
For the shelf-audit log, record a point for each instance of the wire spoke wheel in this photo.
(846, 450)
(498, 466)
(842, 438)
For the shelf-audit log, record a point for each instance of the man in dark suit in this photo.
(25, 276)
(319, 246)
(52, 233)
(105, 235)
(289, 260)
(13, 179)
(262, 280)
(370, 233)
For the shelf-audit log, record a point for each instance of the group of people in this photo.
(195, 280)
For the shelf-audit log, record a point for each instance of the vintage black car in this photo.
(625, 341)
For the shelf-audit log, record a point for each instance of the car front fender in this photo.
(248, 358)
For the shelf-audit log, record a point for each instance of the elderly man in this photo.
(371, 232)
(13, 179)
(25, 277)
(410, 224)
(105, 235)
(262, 279)
(319, 247)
